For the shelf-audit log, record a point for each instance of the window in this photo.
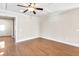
(2, 27)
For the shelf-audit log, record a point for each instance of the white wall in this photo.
(26, 26)
(63, 27)
(6, 27)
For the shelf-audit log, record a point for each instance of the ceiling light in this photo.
(31, 9)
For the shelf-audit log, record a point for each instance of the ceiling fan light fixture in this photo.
(31, 9)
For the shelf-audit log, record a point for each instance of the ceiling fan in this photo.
(31, 7)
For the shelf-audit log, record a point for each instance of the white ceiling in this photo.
(48, 7)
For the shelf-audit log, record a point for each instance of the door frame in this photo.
(13, 19)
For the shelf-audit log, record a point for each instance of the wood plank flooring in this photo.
(38, 47)
(9, 46)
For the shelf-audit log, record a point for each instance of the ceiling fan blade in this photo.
(39, 8)
(21, 5)
(25, 10)
(34, 12)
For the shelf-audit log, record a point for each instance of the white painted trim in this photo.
(48, 39)
(4, 35)
(76, 45)
(27, 39)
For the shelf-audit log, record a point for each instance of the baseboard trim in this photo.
(30, 38)
(26, 39)
(75, 45)
(6, 36)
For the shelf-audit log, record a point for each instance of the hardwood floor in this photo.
(9, 46)
(38, 47)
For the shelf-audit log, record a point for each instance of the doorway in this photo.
(7, 33)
